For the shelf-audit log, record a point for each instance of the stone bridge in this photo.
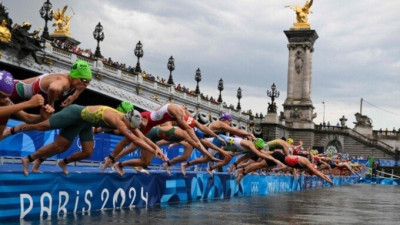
(334, 139)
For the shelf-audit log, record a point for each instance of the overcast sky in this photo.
(357, 54)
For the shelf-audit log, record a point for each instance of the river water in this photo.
(355, 204)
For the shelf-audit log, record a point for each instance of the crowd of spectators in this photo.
(118, 65)
(389, 132)
(185, 89)
(148, 76)
(211, 99)
(69, 46)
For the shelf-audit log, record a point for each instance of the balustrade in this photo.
(86, 59)
(63, 54)
(162, 87)
(148, 83)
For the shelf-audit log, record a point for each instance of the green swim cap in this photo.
(125, 107)
(80, 69)
(259, 143)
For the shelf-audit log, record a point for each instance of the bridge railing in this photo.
(110, 70)
(163, 87)
(61, 53)
(373, 142)
(331, 128)
(362, 138)
(385, 133)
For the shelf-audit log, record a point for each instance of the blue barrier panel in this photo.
(381, 180)
(53, 193)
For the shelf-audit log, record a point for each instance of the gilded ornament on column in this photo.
(301, 15)
(62, 22)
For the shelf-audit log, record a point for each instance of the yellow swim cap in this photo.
(314, 152)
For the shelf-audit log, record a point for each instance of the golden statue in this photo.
(5, 34)
(67, 23)
(301, 14)
(62, 21)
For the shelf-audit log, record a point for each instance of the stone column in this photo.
(291, 72)
(307, 75)
(298, 108)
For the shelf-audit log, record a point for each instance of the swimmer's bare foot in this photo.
(240, 176)
(183, 168)
(107, 163)
(7, 132)
(209, 170)
(63, 166)
(118, 167)
(231, 168)
(141, 170)
(166, 167)
(25, 164)
(36, 165)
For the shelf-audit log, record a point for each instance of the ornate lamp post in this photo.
(239, 96)
(323, 118)
(198, 79)
(138, 54)
(47, 14)
(272, 94)
(98, 35)
(220, 88)
(171, 67)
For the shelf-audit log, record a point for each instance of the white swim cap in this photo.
(134, 118)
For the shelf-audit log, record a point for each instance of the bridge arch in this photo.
(333, 143)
